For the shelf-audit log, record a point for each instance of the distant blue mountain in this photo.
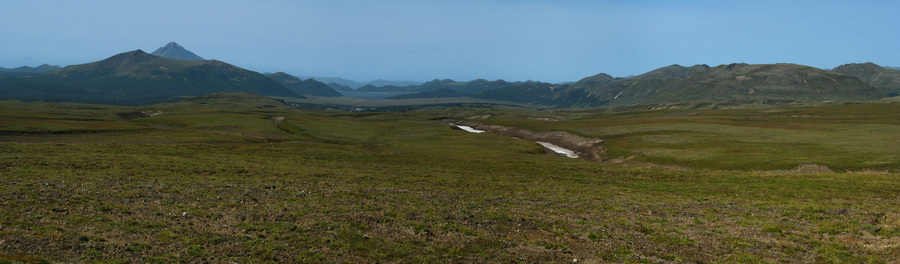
(357, 85)
(303, 87)
(25, 70)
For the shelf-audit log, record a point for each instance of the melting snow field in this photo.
(470, 129)
(558, 149)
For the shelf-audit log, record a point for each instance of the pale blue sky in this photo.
(553, 41)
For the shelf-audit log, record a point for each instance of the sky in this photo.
(421, 40)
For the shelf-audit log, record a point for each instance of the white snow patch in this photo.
(558, 149)
(470, 129)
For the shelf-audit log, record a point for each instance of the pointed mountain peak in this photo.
(175, 51)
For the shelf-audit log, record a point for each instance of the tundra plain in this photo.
(240, 178)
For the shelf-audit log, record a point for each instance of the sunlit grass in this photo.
(841, 137)
(230, 186)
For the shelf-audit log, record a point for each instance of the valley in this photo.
(582, 132)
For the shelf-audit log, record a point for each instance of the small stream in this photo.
(559, 150)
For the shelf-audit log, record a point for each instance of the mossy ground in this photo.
(225, 185)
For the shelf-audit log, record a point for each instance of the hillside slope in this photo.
(303, 87)
(886, 80)
(700, 83)
(136, 77)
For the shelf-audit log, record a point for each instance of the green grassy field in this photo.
(846, 137)
(220, 181)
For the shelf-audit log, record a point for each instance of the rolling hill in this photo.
(135, 78)
(886, 80)
(528, 92)
(303, 87)
(229, 100)
(759, 81)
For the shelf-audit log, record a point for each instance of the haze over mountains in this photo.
(304, 87)
(173, 73)
(25, 70)
(357, 85)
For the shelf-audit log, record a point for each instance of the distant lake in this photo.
(369, 95)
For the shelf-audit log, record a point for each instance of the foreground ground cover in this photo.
(335, 187)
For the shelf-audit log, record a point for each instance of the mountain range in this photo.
(677, 84)
(680, 84)
(470, 87)
(136, 77)
(356, 85)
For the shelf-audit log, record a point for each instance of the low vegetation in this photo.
(843, 137)
(247, 180)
